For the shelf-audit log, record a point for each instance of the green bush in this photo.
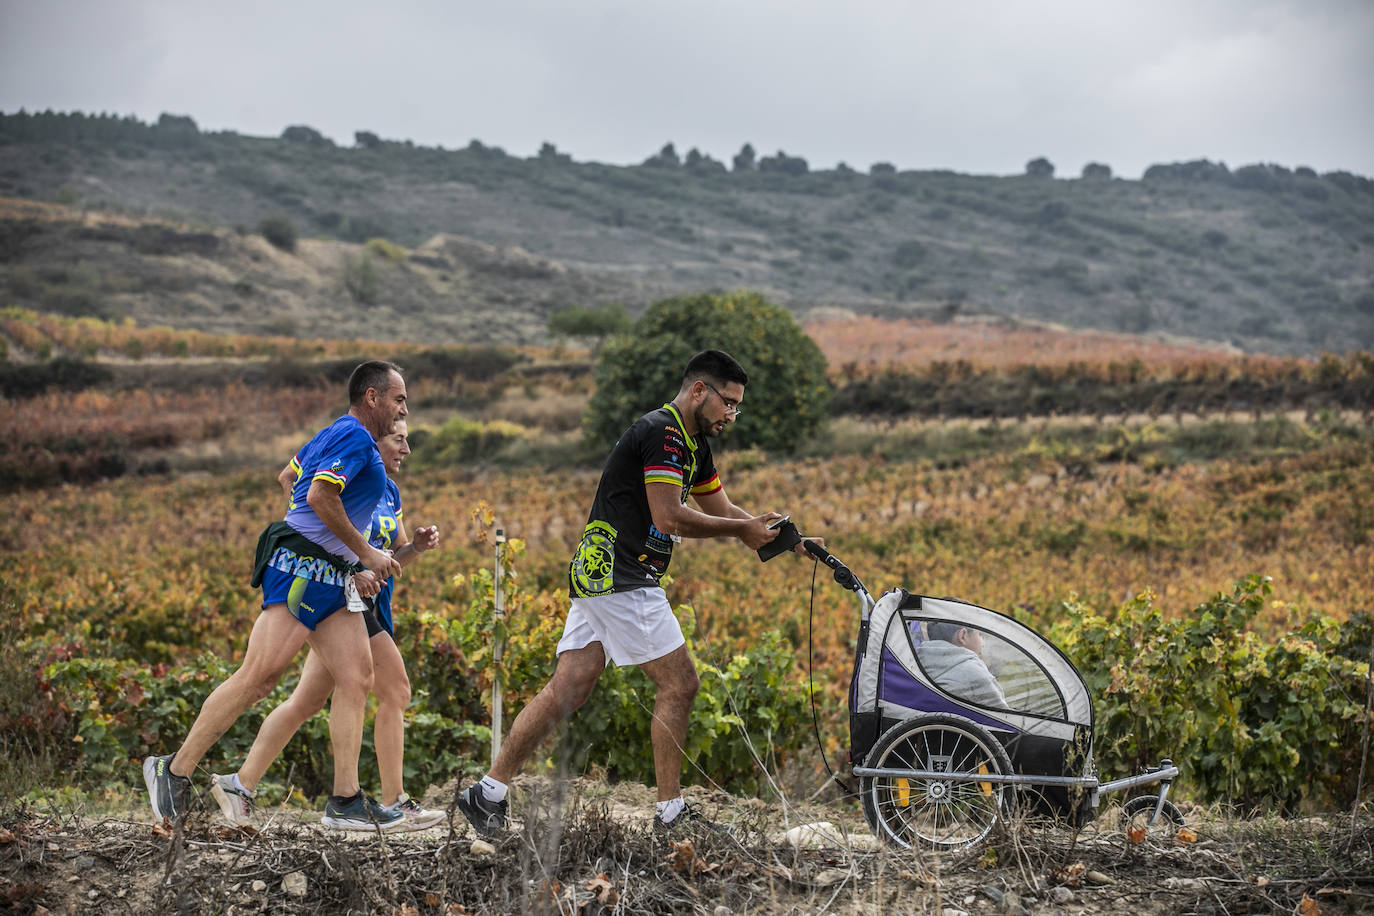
(594, 324)
(460, 441)
(751, 708)
(386, 250)
(788, 395)
(1248, 722)
(280, 231)
(361, 280)
(752, 703)
(64, 373)
(120, 710)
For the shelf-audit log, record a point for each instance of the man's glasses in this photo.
(731, 407)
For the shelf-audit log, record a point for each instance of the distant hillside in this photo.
(1261, 257)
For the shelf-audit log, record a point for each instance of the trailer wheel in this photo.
(1136, 815)
(942, 814)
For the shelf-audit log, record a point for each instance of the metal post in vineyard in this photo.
(498, 635)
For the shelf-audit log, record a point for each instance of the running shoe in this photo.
(236, 804)
(416, 817)
(488, 818)
(169, 793)
(688, 819)
(360, 812)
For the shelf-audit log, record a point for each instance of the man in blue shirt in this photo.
(314, 567)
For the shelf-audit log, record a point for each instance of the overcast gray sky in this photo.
(968, 85)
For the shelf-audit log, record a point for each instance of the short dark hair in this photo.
(940, 629)
(375, 373)
(715, 366)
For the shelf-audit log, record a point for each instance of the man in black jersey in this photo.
(619, 613)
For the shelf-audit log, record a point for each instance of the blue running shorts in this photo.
(307, 600)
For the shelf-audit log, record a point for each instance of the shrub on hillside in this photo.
(280, 231)
(361, 280)
(64, 373)
(787, 397)
(462, 441)
(386, 249)
(595, 324)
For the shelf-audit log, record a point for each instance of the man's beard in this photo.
(703, 427)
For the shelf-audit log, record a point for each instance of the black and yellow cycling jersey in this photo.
(621, 550)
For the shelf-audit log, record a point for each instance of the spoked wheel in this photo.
(1136, 817)
(943, 814)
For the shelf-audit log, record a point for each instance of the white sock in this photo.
(241, 787)
(670, 809)
(492, 790)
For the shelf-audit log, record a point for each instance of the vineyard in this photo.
(1209, 574)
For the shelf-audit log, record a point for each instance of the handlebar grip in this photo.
(816, 550)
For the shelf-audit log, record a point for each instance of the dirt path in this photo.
(586, 847)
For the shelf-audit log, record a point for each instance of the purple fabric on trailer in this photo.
(897, 685)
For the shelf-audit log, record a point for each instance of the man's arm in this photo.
(287, 479)
(673, 517)
(324, 498)
(719, 505)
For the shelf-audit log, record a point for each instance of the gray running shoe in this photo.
(488, 818)
(236, 804)
(169, 793)
(416, 817)
(360, 812)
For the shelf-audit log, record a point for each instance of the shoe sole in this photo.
(416, 823)
(474, 816)
(227, 806)
(349, 823)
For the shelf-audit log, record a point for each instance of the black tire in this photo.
(939, 814)
(1136, 814)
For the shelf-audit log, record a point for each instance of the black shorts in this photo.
(373, 620)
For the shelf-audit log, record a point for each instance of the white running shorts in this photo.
(633, 627)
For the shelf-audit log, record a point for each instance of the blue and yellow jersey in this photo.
(344, 454)
(381, 533)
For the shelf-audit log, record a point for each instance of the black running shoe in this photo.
(169, 793)
(488, 818)
(359, 813)
(689, 819)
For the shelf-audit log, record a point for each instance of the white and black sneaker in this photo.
(170, 794)
(234, 803)
(360, 812)
(488, 818)
(416, 817)
(689, 819)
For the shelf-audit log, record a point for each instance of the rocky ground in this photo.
(587, 847)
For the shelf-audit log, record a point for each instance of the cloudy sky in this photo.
(969, 85)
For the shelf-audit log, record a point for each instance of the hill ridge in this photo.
(1262, 257)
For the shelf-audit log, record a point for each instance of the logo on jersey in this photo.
(593, 566)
